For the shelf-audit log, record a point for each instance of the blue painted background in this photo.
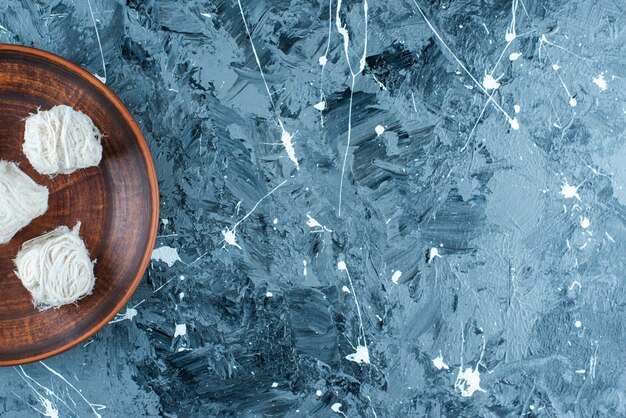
(475, 269)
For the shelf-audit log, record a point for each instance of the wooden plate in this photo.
(117, 203)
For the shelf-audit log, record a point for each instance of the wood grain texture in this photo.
(117, 203)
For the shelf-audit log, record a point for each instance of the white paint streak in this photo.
(396, 276)
(166, 254)
(104, 67)
(93, 406)
(230, 236)
(447, 48)
(511, 33)
(609, 236)
(362, 352)
(346, 42)
(285, 136)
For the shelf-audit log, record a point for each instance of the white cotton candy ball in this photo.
(55, 268)
(61, 140)
(21, 200)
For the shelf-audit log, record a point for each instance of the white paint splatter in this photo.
(285, 138)
(345, 289)
(468, 381)
(396, 276)
(578, 324)
(323, 60)
(313, 223)
(269, 294)
(336, 407)
(573, 102)
(320, 106)
(517, 108)
(230, 237)
(514, 56)
(180, 331)
(600, 82)
(581, 371)
(318, 393)
(205, 14)
(568, 191)
(181, 295)
(585, 222)
(362, 352)
(434, 252)
(379, 130)
(166, 254)
(275, 221)
(490, 83)
(274, 385)
(514, 124)
(50, 410)
(362, 355)
(165, 221)
(556, 67)
(439, 363)
(305, 270)
(128, 315)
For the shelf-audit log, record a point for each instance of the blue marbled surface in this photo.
(401, 208)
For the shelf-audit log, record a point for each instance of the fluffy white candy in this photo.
(55, 268)
(21, 200)
(61, 140)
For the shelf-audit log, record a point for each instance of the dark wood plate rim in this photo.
(152, 179)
